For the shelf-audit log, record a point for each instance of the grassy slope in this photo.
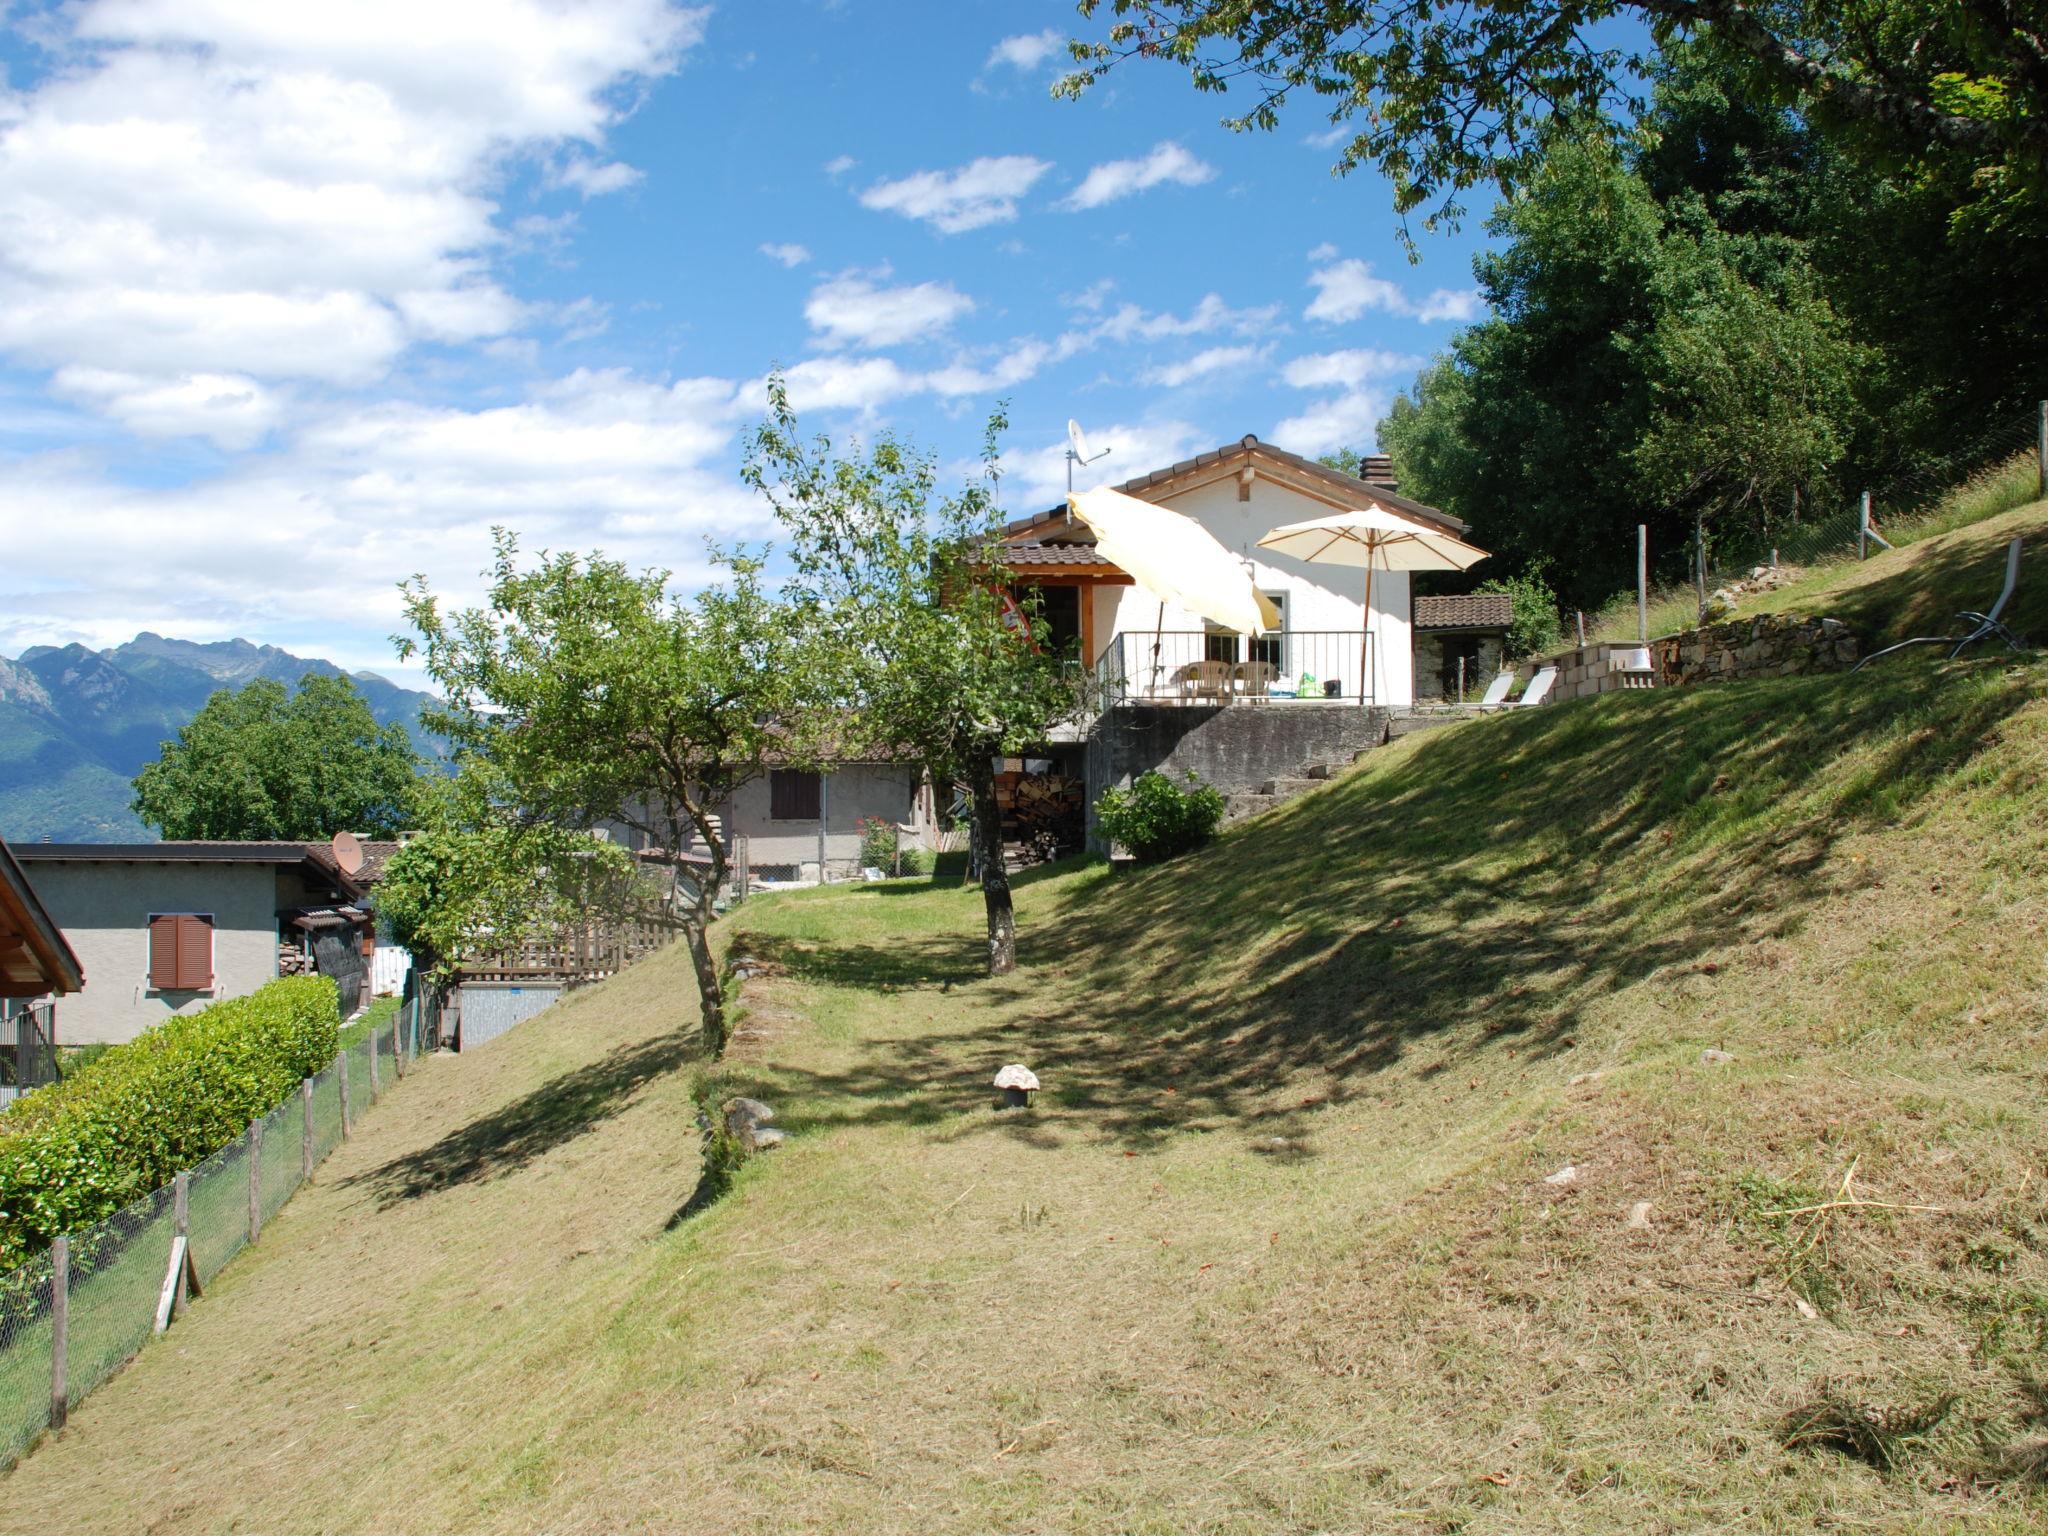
(1274, 1252)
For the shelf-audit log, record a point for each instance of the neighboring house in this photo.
(789, 821)
(1472, 629)
(166, 928)
(1239, 493)
(36, 966)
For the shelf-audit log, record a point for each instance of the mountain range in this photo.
(76, 725)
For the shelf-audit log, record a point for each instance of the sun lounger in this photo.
(1982, 626)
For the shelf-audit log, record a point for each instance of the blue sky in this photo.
(297, 301)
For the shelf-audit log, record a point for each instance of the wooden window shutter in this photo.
(163, 953)
(792, 796)
(195, 953)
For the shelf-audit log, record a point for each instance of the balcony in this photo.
(1197, 667)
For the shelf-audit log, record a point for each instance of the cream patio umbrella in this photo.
(1376, 539)
(1177, 560)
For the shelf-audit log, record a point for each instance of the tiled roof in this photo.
(1473, 610)
(1052, 554)
(1336, 479)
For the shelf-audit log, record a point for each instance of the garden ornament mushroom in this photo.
(1018, 1084)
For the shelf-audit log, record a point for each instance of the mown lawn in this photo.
(1275, 1249)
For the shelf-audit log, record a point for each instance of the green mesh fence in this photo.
(280, 1174)
(118, 1267)
(218, 1206)
(117, 1273)
(25, 1364)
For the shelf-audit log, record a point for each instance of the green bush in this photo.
(1536, 627)
(916, 861)
(113, 1131)
(1155, 818)
(877, 843)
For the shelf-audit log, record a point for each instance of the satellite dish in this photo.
(348, 852)
(1078, 439)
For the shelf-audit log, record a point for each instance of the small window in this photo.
(181, 952)
(792, 796)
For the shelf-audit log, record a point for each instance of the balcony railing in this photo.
(1196, 667)
(28, 1048)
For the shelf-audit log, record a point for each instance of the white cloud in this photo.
(202, 190)
(593, 460)
(231, 409)
(1115, 179)
(595, 178)
(1460, 304)
(1347, 289)
(1131, 322)
(852, 310)
(1204, 363)
(1021, 362)
(788, 253)
(1346, 370)
(839, 165)
(1037, 477)
(982, 192)
(1343, 421)
(1026, 51)
(863, 384)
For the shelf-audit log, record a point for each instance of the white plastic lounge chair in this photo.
(1982, 625)
(1496, 691)
(1538, 689)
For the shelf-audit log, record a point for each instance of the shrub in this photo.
(877, 843)
(75, 1153)
(1535, 626)
(917, 861)
(1155, 818)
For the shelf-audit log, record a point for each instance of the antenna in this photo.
(1077, 451)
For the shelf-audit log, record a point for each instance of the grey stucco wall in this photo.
(850, 793)
(104, 910)
(1233, 747)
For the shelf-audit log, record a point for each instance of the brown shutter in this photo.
(195, 953)
(163, 953)
(792, 796)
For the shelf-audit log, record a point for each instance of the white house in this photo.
(1239, 493)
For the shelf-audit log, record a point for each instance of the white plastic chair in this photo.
(1496, 691)
(1537, 691)
(1983, 626)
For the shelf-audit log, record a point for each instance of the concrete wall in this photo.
(104, 910)
(1318, 597)
(1600, 667)
(489, 1009)
(1233, 748)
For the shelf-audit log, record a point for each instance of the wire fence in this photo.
(73, 1316)
(2002, 467)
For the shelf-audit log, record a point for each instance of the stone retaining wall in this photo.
(1773, 645)
(1598, 667)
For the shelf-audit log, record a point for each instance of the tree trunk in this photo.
(710, 995)
(995, 879)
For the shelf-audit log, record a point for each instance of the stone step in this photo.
(1317, 771)
(1287, 789)
(1237, 807)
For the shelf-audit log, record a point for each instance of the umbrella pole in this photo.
(1365, 639)
(1158, 637)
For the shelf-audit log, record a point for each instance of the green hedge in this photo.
(75, 1153)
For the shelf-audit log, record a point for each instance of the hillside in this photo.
(1278, 1249)
(77, 725)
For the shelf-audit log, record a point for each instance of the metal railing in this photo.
(1198, 667)
(28, 1047)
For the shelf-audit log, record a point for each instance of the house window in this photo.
(792, 796)
(181, 952)
(1219, 644)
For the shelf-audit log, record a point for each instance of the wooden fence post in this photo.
(305, 1129)
(254, 1144)
(397, 1052)
(181, 1206)
(376, 1087)
(60, 1328)
(2041, 454)
(341, 1078)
